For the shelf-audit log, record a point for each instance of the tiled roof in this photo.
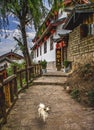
(79, 9)
(11, 53)
(5, 59)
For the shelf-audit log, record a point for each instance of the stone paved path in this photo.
(65, 114)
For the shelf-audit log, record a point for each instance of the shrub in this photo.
(10, 68)
(43, 64)
(91, 97)
(66, 63)
(75, 94)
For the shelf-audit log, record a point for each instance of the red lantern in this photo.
(67, 2)
(55, 13)
(62, 44)
(47, 23)
(57, 45)
(36, 46)
(45, 38)
(52, 31)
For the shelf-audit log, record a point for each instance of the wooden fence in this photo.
(12, 86)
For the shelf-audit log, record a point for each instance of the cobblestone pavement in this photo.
(65, 114)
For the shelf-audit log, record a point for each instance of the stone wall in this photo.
(80, 51)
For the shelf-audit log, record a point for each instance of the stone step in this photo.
(50, 81)
(51, 75)
(55, 74)
(45, 83)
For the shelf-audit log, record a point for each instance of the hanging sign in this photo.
(58, 58)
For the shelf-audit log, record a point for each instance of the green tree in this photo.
(27, 12)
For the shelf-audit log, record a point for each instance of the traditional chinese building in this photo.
(51, 35)
(10, 57)
(80, 48)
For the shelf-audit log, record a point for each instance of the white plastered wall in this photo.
(50, 55)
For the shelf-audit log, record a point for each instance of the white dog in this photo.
(43, 111)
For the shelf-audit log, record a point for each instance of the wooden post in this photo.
(11, 91)
(40, 69)
(26, 75)
(7, 91)
(2, 101)
(21, 84)
(29, 74)
(37, 69)
(15, 81)
(34, 70)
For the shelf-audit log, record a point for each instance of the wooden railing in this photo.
(13, 85)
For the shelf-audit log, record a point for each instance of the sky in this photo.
(7, 43)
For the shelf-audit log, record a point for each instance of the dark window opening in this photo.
(45, 47)
(51, 43)
(86, 30)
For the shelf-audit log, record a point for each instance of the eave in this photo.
(11, 53)
(51, 26)
(6, 59)
(62, 37)
(76, 16)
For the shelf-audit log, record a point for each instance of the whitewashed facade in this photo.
(50, 55)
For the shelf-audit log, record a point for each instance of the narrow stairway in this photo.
(51, 78)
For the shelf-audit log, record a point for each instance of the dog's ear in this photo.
(48, 109)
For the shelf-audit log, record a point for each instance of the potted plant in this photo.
(44, 66)
(66, 65)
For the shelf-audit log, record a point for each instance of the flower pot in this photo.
(44, 71)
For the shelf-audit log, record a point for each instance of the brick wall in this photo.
(80, 51)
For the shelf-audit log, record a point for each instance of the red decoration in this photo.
(34, 40)
(55, 13)
(36, 46)
(52, 31)
(45, 38)
(62, 44)
(57, 45)
(47, 23)
(67, 2)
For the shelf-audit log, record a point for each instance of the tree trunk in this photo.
(24, 37)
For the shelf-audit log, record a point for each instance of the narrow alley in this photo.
(65, 114)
